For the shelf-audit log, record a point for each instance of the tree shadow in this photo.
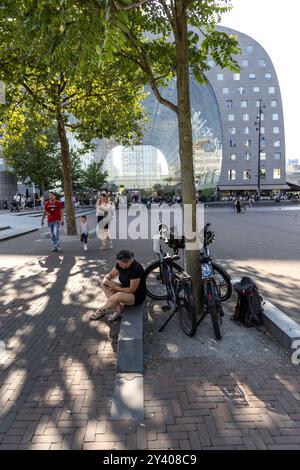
(58, 366)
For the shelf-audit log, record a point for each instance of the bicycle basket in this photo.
(182, 276)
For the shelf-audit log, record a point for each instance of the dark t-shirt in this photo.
(135, 271)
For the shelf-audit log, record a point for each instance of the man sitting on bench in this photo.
(131, 290)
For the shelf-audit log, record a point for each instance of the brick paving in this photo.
(58, 371)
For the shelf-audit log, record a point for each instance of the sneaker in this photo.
(114, 316)
(59, 249)
(54, 249)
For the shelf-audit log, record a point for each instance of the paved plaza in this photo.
(58, 369)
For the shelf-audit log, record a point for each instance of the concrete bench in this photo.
(128, 397)
(130, 342)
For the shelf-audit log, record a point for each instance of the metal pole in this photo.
(259, 149)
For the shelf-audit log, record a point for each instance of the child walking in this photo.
(84, 231)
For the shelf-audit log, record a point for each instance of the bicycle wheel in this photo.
(186, 312)
(223, 282)
(155, 287)
(213, 306)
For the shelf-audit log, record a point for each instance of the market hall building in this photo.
(229, 114)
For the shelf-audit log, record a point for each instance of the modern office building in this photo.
(228, 115)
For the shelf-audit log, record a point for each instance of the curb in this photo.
(15, 235)
(282, 327)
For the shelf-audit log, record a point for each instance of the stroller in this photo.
(14, 207)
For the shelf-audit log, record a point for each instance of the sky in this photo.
(275, 25)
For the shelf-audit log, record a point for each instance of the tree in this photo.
(94, 176)
(165, 39)
(51, 74)
(38, 160)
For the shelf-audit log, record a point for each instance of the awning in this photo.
(293, 186)
(263, 187)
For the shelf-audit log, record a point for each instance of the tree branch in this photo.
(143, 63)
(167, 11)
(27, 88)
(134, 5)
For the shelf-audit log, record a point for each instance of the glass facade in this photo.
(140, 166)
(161, 143)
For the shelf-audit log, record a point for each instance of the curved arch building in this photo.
(226, 128)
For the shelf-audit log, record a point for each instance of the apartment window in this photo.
(252, 76)
(268, 76)
(274, 103)
(241, 90)
(247, 144)
(262, 130)
(275, 130)
(232, 130)
(257, 103)
(277, 143)
(232, 157)
(246, 130)
(232, 143)
(245, 117)
(245, 63)
(228, 104)
(275, 117)
(276, 173)
(211, 63)
(256, 89)
(247, 174)
(277, 156)
(263, 142)
(220, 76)
(262, 117)
(262, 62)
(249, 49)
(231, 175)
(230, 117)
(263, 173)
(244, 104)
(247, 156)
(225, 91)
(263, 155)
(236, 76)
(271, 90)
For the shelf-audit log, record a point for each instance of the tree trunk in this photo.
(66, 165)
(186, 143)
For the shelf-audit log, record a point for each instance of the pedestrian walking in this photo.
(105, 211)
(84, 231)
(238, 205)
(53, 210)
(23, 201)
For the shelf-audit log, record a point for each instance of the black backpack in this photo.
(249, 307)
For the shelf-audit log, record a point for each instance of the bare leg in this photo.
(118, 299)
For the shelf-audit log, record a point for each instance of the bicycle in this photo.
(166, 274)
(215, 282)
(210, 290)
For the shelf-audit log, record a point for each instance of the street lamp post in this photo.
(258, 123)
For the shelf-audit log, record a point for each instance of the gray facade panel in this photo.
(8, 186)
(251, 97)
